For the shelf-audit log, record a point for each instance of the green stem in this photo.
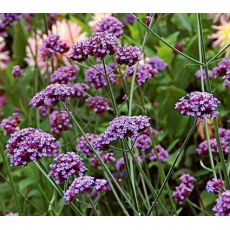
(136, 69)
(93, 206)
(202, 88)
(208, 83)
(5, 161)
(173, 165)
(110, 90)
(101, 161)
(148, 182)
(56, 186)
(217, 55)
(166, 43)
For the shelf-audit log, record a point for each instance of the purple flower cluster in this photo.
(17, 71)
(51, 95)
(83, 147)
(101, 185)
(66, 165)
(144, 72)
(127, 55)
(143, 142)
(44, 111)
(101, 44)
(222, 68)
(129, 19)
(111, 25)
(224, 133)
(10, 124)
(157, 63)
(80, 185)
(64, 75)
(158, 152)
(53, 44)
(215, 186)
(227, 79)
(120, 127)
(224, 141)
(30, 144)
(9, 18)
(184, 189)
(78, 52)
(198, 74)
(59, 122)
(96, 78)
(80, 89)
(198, 104)
(106, 157)
(100, 105)
(222, 207)
(120, 164)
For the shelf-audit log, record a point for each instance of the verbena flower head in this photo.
(120, 127)
(64, 75)
(120, 164)
(198, 74)
(158, 152)
(127, 55)
(52, 44)
(222, 68)
(222, 207)
(51, 95)
(82, 145)
(3, 100)
(78, 52)
(198, 104)
(80, 89)
(129, 19)
(101, 44)
(181, 193)
(10, 18)
(44, 111)
(59, 122)
(203, 146)
(184, 189)
(157, 63)
(106, 157)
(17, 71)
(101, 185)
(227, 80)
(187, 179)
(10, 124)
(80, 185)
(143, 142)
(144, 72)
(111, 25)
(30, 144)
(224, 133)
(96, 78)
(215, 186)
(66, 165)
(100, 105)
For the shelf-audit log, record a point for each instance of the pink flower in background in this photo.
(69, 31)
(221, 37)
(4, 54)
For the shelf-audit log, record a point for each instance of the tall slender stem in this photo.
(173, 165)
(101, 161)
(208, 83)
(11, 180)
(202, 89)
(166, 43)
